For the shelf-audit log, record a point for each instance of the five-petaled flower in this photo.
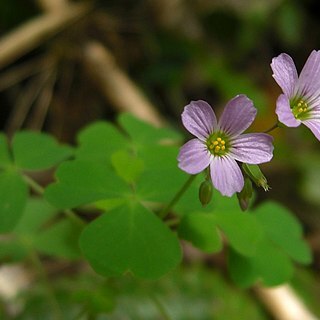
(300, 101)
(221, 144)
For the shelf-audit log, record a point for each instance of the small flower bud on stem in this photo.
(253, 171)
(205, 192)
(245, 195)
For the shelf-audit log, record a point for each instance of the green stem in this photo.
(40, 190)
(160, 308)
(275, 126)
(33, 184)
(74, 217)
(165, 211)
(173, 222)
(57, 313)
(81, 314)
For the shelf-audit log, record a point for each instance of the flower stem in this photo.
(165, 211)
(275, 126)
(40, 190)
(33, 184)
(56, 310)
(160, 307)
(173, 222)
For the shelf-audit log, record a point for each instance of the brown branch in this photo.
(284, 304)
(116, 86)
(33, 33)
(52, 5)
(25, 101)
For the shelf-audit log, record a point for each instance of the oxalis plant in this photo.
(121, 201)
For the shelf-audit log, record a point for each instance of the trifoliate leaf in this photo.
(81, 182)
(38, 151)
(160, 185)
(13, 197)
(36, 231)
(161, 178)
(59, 240)
(37, 212)
(268, 265)
(99, 141)
(243, 231)
(283, 229)
(144, 133)
(189, 202)
(130, 238)
(127, 166)
(201, 230)
(4, 152)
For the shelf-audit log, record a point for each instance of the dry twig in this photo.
(116, 86)
(284, 304)
(33, 33)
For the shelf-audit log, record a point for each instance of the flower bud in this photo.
(253, 171)
(245, 194)
(205, 192)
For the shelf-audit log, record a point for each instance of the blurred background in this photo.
(66, 64)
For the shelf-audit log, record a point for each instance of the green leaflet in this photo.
(130, 238)
(38, 151)
(13, 197)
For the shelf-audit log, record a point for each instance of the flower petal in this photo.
(285, 73)
(314, 112)
(252, 148)
(314, 126)
(237, 116)
(199, 119)
(309, 79)
(226, 175)
(284, 112)
(194, 157)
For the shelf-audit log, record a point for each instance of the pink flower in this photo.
(300, 101)
(219, 145)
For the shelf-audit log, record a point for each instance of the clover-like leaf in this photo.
(36, 213)
(4, 152)
(130, 238)
(161, 178)
(127, 165)
(59, 240)
(144, 133)
(201, 230)
(82, 182)
(13, 197)
(36, 231)
(284, 230)
(99, 141)
(190, 203)
(282, 240)
(242, 230)
(269, 265)
(38, 151)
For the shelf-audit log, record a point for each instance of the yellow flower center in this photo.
(217, 145)
(299, 109)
